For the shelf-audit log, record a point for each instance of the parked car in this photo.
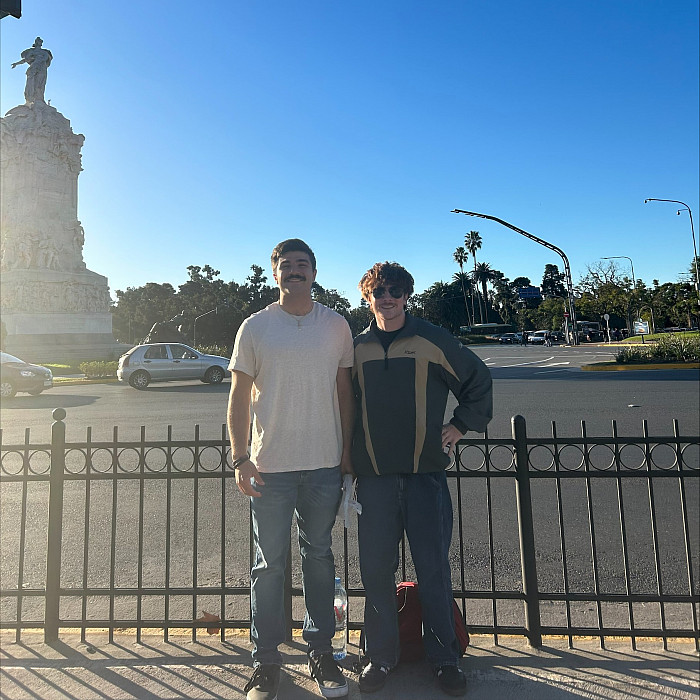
(18, 375)
(538, 337)
(509, 338)
(169, 362)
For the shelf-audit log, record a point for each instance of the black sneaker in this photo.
(373, 678)
(264, 683)
(331, 681)
(452, 680)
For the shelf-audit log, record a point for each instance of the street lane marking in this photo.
(536, 362)
(551, 371)
(554, 364)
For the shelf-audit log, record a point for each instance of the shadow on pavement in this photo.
(181, 668)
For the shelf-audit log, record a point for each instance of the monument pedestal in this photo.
(51, 315)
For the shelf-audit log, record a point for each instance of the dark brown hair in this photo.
(292, 244)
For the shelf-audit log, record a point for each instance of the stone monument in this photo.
(52, 306)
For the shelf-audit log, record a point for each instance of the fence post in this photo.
(53, 552)
(288, 593)
(526, 529)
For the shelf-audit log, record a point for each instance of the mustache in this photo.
(292, 278)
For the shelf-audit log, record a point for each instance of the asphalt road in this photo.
(542, 384)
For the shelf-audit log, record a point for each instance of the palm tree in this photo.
(483, 273)
(461, 256)
(472, 242)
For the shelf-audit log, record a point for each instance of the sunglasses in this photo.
(394, 291)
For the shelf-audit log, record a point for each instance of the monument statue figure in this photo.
(38, 59)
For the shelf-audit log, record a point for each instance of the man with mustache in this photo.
(404, 370)
(291, 369)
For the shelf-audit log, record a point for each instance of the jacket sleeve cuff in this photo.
(459, 425)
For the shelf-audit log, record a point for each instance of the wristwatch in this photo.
(240, 460)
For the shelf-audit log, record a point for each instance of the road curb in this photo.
(605, 367)
(70, 381)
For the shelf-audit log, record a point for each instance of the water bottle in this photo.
(340, 608)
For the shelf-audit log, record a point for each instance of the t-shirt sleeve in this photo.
(243, 356)
(348, 357)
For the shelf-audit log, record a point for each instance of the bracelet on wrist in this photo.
(241, 460)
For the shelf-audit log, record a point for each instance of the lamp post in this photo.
(692, 231)
(613, 257)
(567, 269)
(634, 287)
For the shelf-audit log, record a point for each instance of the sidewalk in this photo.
(209, 669)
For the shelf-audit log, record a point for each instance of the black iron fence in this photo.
(554, 536)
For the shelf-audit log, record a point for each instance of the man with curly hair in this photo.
(404, 370)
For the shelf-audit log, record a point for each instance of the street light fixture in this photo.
(614, 257)
(634, 287)
(567, 269)
(692, 231)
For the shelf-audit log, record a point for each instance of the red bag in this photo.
(411, 623)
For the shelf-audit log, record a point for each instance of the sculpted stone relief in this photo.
(55, 297)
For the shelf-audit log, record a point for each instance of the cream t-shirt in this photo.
(294, 362)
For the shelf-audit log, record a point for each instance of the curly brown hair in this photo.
(386, 273)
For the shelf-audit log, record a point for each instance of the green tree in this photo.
(331, 298)
(138, 308)
(482, 275)
(472, 242)
(553, 282)
(461, 256)
(360, 317)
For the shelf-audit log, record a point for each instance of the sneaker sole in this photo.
(339, 692)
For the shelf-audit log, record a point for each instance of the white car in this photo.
(169, 362)
(537, 338)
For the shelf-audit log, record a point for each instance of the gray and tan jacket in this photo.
(402, 393)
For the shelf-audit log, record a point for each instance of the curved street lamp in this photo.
(692, 231)
(567, 269)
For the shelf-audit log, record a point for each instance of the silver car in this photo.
(169, 362)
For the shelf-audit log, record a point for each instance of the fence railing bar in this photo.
(460, 522)
(113, 534)
(142, 496)
(654, 530)
(168, 524)
(526, 532)
(195, 527)
(222, 535)
(23, 531)
(492, 564)
(623, 537)
(591, 530)
(562, 532)
(55, 527)
(686, 537)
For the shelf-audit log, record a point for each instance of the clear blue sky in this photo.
(213, 130)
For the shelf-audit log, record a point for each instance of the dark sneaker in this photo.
(264, 683)
(373, 678)
(331, 681)
(452, 680)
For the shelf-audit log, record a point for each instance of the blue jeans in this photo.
(313, 496)
(421, 505)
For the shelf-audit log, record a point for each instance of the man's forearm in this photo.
(238, 416)
(346, 404)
